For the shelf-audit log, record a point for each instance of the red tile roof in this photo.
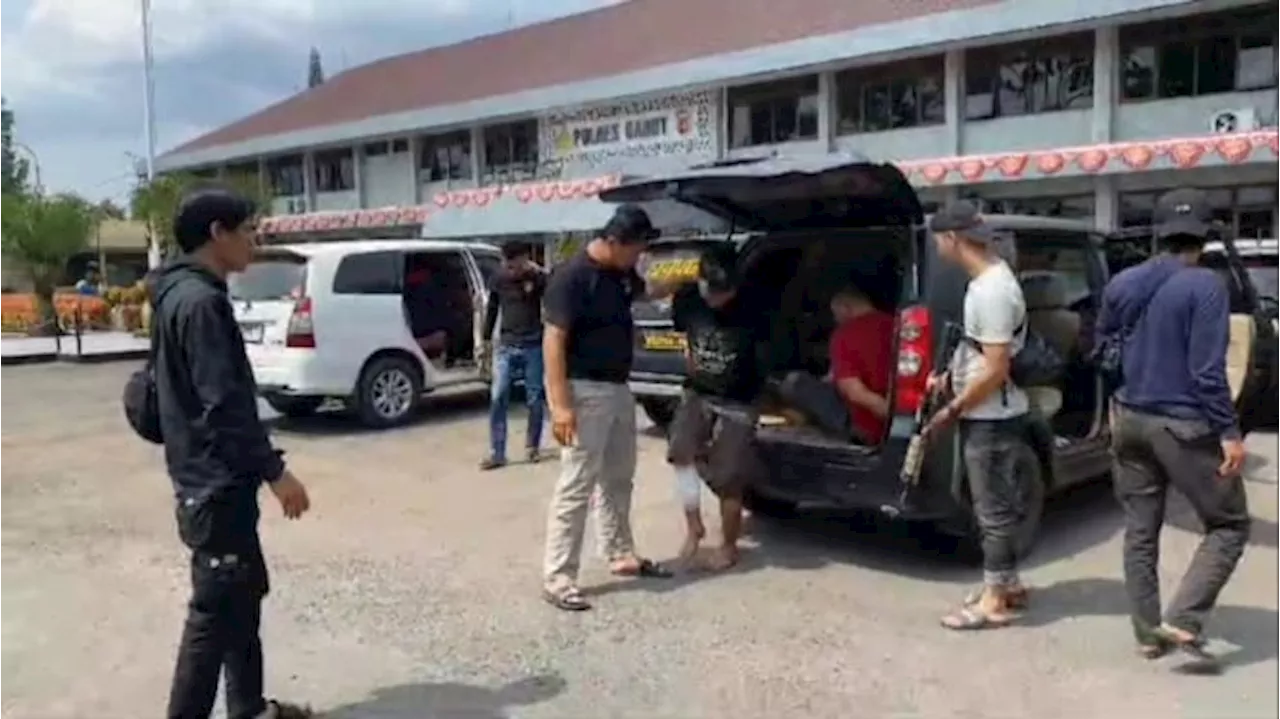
(621, 38)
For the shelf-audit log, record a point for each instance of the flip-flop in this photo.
(970, 618)
(646, 568)
(1017, 599)
(1193, 647)
(1154, 651)
(569, 599)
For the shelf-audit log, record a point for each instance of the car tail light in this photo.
(915, 358)
(301, 331)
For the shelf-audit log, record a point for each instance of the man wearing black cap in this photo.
(1173, 421)
(587, 349)
(713, 426)
(991, 408)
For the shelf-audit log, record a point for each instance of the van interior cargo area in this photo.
(794, 277)
(437, 298)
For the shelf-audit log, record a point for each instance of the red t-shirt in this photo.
(860, 348)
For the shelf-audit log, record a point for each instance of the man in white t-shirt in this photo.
(990, 408)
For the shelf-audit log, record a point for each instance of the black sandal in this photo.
(568, 599)
(646, 568)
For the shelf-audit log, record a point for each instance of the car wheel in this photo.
(767, 506)
(294, 406)
(388, 392)
(660, 410)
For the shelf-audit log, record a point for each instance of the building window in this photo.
(334, 171)
(769, 113)
(1074, 207)
(286, 176)
(511, 152)
(1248, 211)
(889, 97)
(1028, 78)
(1203, 55)
(445, 157)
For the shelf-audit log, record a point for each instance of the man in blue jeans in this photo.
(515, 293)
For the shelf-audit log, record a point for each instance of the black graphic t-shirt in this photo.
(722, 344)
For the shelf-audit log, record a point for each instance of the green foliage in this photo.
(109, 210)
(40, 234)
(13, 169)
(156, 203)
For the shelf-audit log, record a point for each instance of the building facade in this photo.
(1083, 110)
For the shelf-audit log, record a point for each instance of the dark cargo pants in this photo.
(1153, 453)
(990, 448)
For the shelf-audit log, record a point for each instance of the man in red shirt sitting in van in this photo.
(860, 351)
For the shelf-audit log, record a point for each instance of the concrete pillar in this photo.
(1106, 77)
(357, 172)
(953, 95)
(827, 120)
(415, 181)
(309, 180)
(477, 153)
(722, 123)
(264, 183)
(1106, 204)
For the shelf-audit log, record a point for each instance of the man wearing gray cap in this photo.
(990, 407)
(1174, 424)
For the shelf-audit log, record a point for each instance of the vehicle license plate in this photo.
(664, 341)
(252, 331)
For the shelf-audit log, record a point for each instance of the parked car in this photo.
(1253, 303)
(810, 223)
(331, 321)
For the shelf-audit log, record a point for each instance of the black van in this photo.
(811, 221)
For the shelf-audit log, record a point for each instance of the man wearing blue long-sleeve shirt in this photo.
(1174, 423)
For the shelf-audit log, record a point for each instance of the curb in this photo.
(95, 358)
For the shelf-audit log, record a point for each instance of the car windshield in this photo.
(271, 278)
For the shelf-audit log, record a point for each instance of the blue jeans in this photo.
(504, 362)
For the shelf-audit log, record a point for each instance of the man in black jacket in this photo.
(218, 454)
(516, 290)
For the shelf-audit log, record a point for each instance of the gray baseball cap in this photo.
(963, 218)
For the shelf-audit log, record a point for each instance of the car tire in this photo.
(660, 410)
(388, 392)
(767, 506)
(294, 407)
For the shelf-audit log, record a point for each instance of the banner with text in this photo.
(624, 135)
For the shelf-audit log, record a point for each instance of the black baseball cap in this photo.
(630, 225)
(963, 218)
(1182, 212)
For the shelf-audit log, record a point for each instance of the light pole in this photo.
(149, 123)
(35, 164)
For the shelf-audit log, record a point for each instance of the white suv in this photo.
(332, 320)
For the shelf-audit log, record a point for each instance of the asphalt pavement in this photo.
(411, 591)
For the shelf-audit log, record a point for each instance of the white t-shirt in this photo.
(994, 311)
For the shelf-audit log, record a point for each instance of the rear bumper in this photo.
(819, 480)
(297, 372)
(652, 384)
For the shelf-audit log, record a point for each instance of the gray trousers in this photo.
(604, 458)
(990, 450)
(1153, 453)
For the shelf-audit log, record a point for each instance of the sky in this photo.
(71, 70)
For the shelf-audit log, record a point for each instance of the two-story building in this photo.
(1083, 109)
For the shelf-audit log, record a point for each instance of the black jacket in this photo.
(519, 296)
(213, 438)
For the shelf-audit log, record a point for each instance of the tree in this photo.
(13, 172)
(315, 73)
(156, 203)
(40, 234)
(109, 210)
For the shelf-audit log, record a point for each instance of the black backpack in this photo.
(1037, 364)
(141, 399)
(1108, 353)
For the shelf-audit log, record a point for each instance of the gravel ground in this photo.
(410, 592)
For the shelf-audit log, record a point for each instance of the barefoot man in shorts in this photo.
(711, 434)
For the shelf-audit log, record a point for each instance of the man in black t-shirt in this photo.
(587, 349)
(516, 290)
(714, 426)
